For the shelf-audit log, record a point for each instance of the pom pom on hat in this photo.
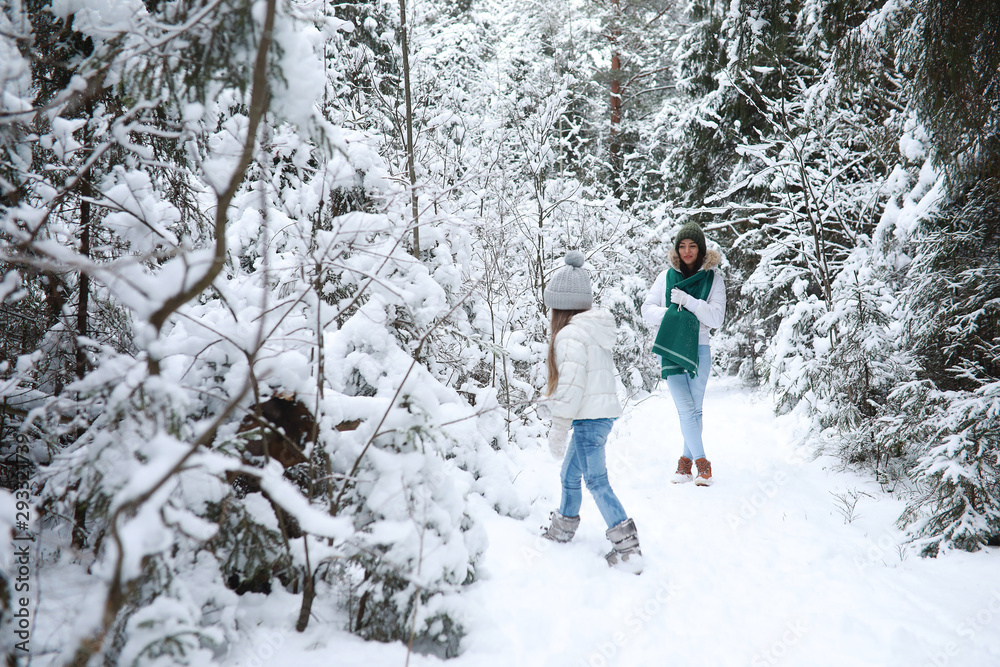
(575, 258)
(569, 288)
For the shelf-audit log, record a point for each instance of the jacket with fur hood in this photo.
(710, 313)
(587, 387)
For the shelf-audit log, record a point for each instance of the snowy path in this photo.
(761, 569)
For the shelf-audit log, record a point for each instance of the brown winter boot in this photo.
(704, 477)
(683, 473)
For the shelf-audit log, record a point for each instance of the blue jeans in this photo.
(585, 460)
(689, 394)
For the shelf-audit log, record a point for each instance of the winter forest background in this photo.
(271, 273)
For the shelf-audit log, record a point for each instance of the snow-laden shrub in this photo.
(856, 377)
(786, 363)
(399, 477)
(954, 325)
(958, 475)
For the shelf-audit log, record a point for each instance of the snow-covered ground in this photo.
(784, 561)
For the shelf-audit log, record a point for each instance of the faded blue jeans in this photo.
(585, 460)
(689, 394)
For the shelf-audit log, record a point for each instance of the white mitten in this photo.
(559, 436)
(680, 297)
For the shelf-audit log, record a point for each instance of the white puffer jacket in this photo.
(587, 387)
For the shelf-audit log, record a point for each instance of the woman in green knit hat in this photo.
(686, 301)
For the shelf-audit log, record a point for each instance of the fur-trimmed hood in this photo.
(712, 259)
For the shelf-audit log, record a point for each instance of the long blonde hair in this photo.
(560, 318)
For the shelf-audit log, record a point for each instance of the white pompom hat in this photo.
(569, 288)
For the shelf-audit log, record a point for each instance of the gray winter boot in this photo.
(562, 528)
(625, 541)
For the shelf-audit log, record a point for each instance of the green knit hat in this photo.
(691, 231)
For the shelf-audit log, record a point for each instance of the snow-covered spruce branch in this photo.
(115, 600)
(335, 507)
(172, 32)
(259, 100)
(812, 200)
(422, 526)
(79, 175)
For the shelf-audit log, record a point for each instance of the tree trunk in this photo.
(83, 294)
(308, 596)
(410, 165)
(616, 91)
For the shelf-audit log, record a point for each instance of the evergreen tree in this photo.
(956, 331)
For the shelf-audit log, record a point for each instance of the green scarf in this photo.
(677, 340)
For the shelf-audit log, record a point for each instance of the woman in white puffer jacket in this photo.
(583, 396)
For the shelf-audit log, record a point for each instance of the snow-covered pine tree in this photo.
(955, 310)
(954, 317)
(855, 383)
(319, 220)
(828, 166)
(141, 420)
